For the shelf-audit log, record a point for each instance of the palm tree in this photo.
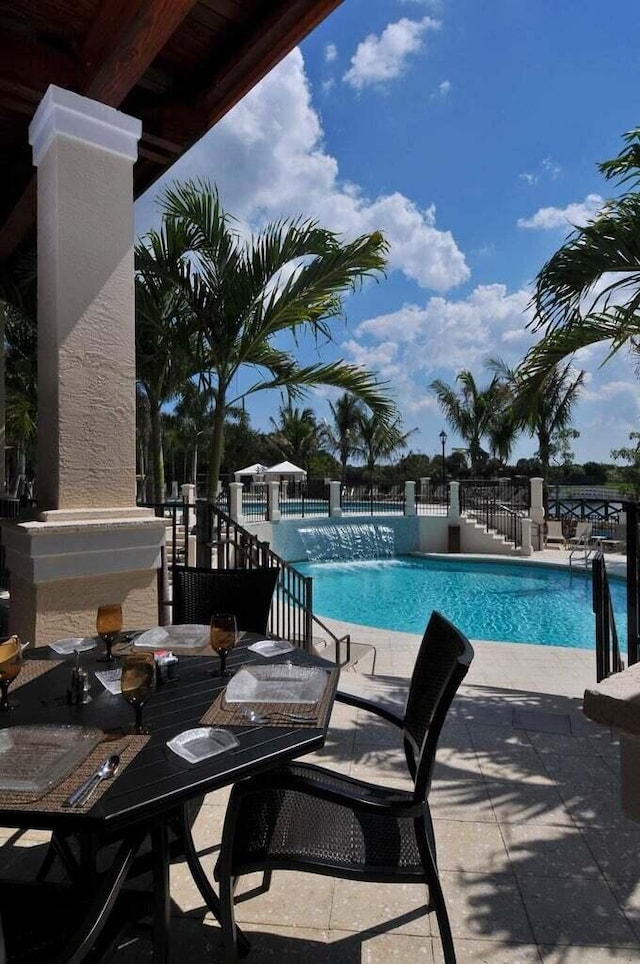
(471, 411)
(544, 408)
(379, 440)
(343, 436)
(242, 294)
(162, 335)
(296, 434)
(589, 290)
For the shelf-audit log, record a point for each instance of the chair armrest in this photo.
(362, 703)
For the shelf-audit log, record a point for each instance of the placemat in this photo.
(127, 747)
(221, 713)
(31, 669)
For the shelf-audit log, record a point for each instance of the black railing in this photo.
(304, 499)
(373, 499)
(498, 505)
(632, 511)
(608, 659)
(432, 498)
(601, 511)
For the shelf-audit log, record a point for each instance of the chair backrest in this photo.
(554, 529)
(198, 593)
(443, 661)
(583, 530)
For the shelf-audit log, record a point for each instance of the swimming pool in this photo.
(487, 600)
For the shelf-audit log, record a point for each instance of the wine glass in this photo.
(223, 636)
(10, 666)
(108, 626)
(137, 681)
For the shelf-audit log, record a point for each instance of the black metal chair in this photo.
(197, 593)
(302, 817)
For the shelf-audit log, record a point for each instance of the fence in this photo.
(608, 659)
(497, 505)
(372, 500)
(433, 499)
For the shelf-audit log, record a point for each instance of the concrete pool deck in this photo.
(537, 863)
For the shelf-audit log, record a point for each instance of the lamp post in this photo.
(443, 439)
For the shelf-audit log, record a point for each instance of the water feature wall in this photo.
(348, 541)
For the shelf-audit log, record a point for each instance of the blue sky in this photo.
(469, 134)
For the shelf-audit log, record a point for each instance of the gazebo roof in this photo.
(285, 468)
(178, 65)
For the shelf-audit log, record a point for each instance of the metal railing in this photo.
(608, 658)
(499, 506)
(433, 498)
(632, 511)
(372, 499)
(578, 510)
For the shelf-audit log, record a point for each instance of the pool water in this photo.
(487, 600)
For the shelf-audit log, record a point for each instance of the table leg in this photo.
(161, 896)
(201, 880)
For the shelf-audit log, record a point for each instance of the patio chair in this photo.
(555, 536)
(582, 535)
(302, 817)
(197, 593)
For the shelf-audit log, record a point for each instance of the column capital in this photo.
(63, 112)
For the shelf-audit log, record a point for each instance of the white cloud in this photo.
(528, 177)
(268, 160)
(551, 168)
(382, 58)
(443, 90)
(330, 53)
(574, 215)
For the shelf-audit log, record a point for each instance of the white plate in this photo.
(279, 683)
(155, 637)
(75, 644)
(271, 647)
(201, 743)
(111, 679)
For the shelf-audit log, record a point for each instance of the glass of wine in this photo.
(10, 666)
(108, 626)
(137, 681)
(223, 636)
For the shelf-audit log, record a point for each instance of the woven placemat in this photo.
(31, 669)
(127, 747)
(221, 713)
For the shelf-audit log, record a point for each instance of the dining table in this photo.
(142, 816)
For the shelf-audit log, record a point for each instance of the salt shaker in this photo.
(79, 689)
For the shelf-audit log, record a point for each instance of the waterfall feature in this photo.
(352, 541)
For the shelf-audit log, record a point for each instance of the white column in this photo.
(536, 510)
(526, 548)
(90, 544)
(454, 500)
(335, 511)
(410, 498)
(273, 499)
(235, 502)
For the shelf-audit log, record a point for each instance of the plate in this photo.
(74, 644)
(201, 743)
(153, 637)
(34, 758)
(271, 647)
(279, 683)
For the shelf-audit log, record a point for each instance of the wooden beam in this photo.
(122, 42)
(33, 66)
(19, 221)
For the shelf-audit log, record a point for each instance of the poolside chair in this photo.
(582, 535)
(302, 817)
(197, 593)
(555, 536)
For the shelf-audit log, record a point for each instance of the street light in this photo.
(443, 439)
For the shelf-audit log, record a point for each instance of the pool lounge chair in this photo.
(582, 537)
(554, 536)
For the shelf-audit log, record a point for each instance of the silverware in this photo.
(104, 772)
(278, 715)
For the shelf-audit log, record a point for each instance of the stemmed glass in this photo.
(137, 681)
(108, 626)
(10, 666)
(223, 636)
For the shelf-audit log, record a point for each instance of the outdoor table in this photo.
(153, 791)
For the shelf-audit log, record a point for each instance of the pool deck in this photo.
(537, 862)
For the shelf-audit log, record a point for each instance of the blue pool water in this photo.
(487, 600)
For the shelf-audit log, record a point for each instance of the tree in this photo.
(379, 441)
(162, 334)
(589, 290)
(471, 411)
(343, 436)
(243, 293)
(631, 454)
(296, 434)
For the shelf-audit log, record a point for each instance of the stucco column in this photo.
(235, 502)
(536, 510)
(273, 501)
(89, 544)
(454, 500)
(410, 498)
(526, 548)
(335, 509)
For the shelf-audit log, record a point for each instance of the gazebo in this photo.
(108, 95)
(285, 471)
(255, 472)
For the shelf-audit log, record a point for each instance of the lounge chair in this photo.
(582, 537)
(555, 536)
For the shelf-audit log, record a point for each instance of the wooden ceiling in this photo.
(178, 65)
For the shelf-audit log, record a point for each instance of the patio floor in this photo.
(537, 862)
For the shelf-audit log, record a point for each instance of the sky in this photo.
(468, 132)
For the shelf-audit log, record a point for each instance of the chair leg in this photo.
(436, 895)
(228, 921)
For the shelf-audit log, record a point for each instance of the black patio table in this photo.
(152, 794)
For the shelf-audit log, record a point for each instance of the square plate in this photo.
(201, 743)
(74, 644)
(271, 647)
(34, 758)
(277, 683)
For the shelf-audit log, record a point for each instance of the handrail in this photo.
(608, 659)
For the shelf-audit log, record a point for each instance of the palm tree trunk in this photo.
(217, 446)
(156, 450)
